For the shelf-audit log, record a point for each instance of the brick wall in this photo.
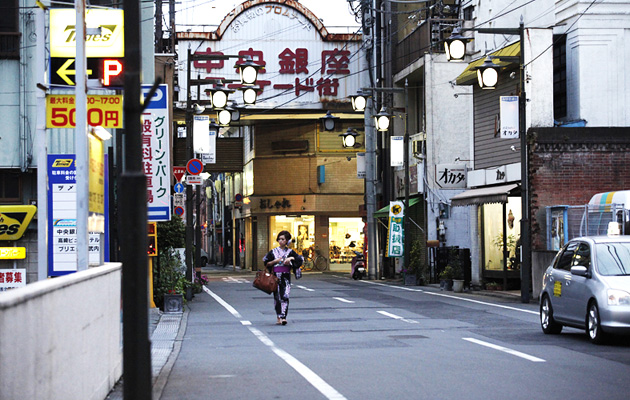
(567, 166)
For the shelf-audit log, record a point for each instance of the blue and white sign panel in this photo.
(156, 154)
(62, 217)
(179, 187)
(508, 109)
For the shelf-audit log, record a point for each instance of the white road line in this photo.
(341, 299)
(318, 383)
(223, 303)
(505, 350)
(305, 288)
(453, 297)
(311, 377)
(234, 280)
(398, 317)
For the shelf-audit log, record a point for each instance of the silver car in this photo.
(588, 286)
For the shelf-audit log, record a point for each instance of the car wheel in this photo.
(593, 324)
(547, 323)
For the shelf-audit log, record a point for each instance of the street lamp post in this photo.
(526, 255)
(248, 71)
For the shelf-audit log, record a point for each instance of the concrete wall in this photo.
(62, 338)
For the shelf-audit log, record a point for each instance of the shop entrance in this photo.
(302, 229)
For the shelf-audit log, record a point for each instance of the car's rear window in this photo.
(613, 258)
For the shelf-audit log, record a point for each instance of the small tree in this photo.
(171, 234)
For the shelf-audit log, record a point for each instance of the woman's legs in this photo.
(281, 296)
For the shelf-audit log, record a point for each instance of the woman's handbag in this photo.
(266, 282)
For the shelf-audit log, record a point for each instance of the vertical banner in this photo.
(96, 184)
(62, 217)
(156, 154)
(397, 151)
(201, 132)
(210, 157)
(508, 110)
(395, 232)
(361, 165)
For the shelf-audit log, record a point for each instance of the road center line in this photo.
(453, 297)
(505, 350)
(341, 299)
(311, 377)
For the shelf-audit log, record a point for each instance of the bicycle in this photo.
(317, 263)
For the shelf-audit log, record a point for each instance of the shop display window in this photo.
(345, 236)
(493, 234)
(302, 230)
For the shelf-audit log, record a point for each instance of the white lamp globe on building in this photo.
(359, 101)
(349, 138)
(248, 71)
(488, 74)
(455, 46)
(250, 93)
(381, 120)
(329, 121)
(219, 95)
(224, 117)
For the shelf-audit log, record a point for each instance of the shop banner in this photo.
(508, 110)
(397, 151)
(12, 278)
(395, 232)
(156, 154)
(201, 135)
(361, 165)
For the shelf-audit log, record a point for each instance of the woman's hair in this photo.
(286, 235)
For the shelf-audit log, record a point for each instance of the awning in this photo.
(469, 76)
(494, 194)
(384, 212)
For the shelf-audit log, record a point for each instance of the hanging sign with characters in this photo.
(395, 231)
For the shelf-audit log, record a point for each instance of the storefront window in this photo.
(493, 218)
(345, 236)
(302, 230)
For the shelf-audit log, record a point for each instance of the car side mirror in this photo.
(580, 270)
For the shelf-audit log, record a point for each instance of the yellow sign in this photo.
(109, 43)
(62, 163)
(102, 110)
(96, 201)
(14, 220)
(12, 253)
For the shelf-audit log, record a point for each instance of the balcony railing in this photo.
(426, 38)
(9, 45)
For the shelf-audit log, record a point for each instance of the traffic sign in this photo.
(178, 200)
(194, 180)
(194, 166)
(179, 188)
(179, 172)
(179, 211)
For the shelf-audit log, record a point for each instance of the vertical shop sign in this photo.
(361, 165)
(395, 232)
(62, 221)
(156, 154)
(397, 151)
(508, 110)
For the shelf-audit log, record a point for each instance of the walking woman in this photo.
(280, 261)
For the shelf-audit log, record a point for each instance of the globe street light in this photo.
(349, 138)
(329, 121)
(381, 120)
(488, 74)
(455, 46)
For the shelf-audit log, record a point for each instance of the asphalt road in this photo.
(373, 340)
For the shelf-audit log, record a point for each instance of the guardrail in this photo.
(62, 338)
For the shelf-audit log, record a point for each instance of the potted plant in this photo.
(446, 278)
(458, 272)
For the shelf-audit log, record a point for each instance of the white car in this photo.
(588, 286)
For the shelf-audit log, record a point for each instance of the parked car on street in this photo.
(588, 286)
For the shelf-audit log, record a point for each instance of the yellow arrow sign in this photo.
(63, 72)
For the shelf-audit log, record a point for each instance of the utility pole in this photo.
(133, 211)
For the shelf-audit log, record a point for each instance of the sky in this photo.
(334, 13)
